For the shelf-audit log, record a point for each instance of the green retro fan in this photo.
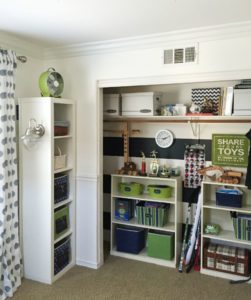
(51, 83)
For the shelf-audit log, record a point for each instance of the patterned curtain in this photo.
(10, 254)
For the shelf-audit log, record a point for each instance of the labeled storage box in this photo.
(61, 128)
(229, 197)
(152, 213)
(141, 104)
(62, 255)
(242, 102)
(227, 259)
(61, 221)
(159, 191)
(59, 160)
(131, 188)
(130, 239)
(61, 188)
(242, 226)
(123, 209)
(160, 245)
(112, 105)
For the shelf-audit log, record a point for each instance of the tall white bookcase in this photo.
(37, 175)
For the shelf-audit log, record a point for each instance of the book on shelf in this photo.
(227, 101)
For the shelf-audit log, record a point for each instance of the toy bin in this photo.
(62, 253)
(229, 197)
(159, 191)
(61, 221)
(242, 226)
(227, 259)
(131, 188)
(160, 245)
(152, 213)
(130, 239)
(61, 188)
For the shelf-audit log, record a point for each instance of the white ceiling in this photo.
(62, 22)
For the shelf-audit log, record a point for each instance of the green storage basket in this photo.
(160, 245)
(159, 191)
(131, 188)
(61, 221)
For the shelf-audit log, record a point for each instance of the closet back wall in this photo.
(224, 54)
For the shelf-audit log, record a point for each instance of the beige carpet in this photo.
(125, 279)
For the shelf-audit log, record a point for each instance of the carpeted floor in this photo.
(124, 279)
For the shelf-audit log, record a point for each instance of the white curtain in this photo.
(10, 254)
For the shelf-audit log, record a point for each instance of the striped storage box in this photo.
(242, 226)
(227, 259)
(152, 213)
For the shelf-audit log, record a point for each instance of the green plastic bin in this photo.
(159, 191)
(131, 188)
(160, 245)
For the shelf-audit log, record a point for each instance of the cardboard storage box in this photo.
(160, 245)
(112, 105)
(141, 104)
(242, 102)
(123, 209)
(227, 259)
(130, 239)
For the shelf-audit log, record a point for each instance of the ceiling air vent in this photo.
(180, 55)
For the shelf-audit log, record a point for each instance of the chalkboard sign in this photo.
(230, 150)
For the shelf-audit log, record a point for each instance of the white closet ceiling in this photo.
(61, 22)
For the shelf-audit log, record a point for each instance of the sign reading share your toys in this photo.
(230, 150)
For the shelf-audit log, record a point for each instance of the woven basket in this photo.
(59, 160)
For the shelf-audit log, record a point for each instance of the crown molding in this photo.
(21, 46)
(226, 31)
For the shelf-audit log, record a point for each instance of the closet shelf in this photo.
(182, 119)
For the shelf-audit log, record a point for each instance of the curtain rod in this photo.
(21, 58)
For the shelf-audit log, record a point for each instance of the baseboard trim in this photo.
(91, 265)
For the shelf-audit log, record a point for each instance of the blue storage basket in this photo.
(61, 188)
(229, 197)
(130, 240)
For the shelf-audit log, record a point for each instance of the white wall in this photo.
(226, 58)
(222, 56)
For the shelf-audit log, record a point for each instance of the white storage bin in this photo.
(242, 102)
(112, 105)
(141, 104)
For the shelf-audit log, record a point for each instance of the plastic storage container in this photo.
(131, 188)
(159, 191)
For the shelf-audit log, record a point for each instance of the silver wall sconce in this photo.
(32, 134)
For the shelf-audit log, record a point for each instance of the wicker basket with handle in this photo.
(59, 160)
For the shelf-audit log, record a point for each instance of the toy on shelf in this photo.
(164, 172)
(143, 165)
(218, 174)
(154, 165)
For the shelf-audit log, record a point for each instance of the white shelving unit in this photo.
(37, 177)
(212, 213)
(174, 215)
